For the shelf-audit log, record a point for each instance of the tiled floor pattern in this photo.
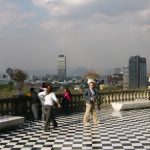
(129, 132)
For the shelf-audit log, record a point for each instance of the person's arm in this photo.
(55, 99)
(86, 96)
(96, 94)
(41, 94)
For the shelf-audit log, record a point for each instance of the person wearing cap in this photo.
(90, 96)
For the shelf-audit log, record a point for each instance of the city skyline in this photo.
(92, 34)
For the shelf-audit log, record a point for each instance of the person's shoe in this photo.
(55, 126)
(97, 122)
(47, 129)
(86, 124)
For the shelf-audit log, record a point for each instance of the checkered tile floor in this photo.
(129, 132)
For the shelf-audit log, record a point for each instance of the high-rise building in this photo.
(125, 77)
(137, 72)
(61, 60)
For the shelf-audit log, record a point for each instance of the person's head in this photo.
(31, 89)
(66, 89)
(44, 85)
(49, 88)
(91, 83)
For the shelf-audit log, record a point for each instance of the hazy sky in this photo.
(95, 34)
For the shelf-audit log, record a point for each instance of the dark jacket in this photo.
(34, 98)
(89, 97)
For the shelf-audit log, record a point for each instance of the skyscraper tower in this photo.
(61, 61)
(137, 72)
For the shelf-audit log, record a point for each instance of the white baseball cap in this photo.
(90, 80)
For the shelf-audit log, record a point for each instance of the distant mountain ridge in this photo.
(70, 72)
(77, 71)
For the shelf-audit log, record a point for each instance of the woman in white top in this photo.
(49, 97)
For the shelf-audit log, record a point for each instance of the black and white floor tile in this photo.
(131, 131)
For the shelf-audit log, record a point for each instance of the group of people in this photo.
(46, 98)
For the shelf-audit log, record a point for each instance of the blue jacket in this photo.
(87, 95)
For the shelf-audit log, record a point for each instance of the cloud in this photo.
(75, 2)
(144, 16)
(60, 7)
(12, 16)
(108, 11)
(90, 7)
(69, 12)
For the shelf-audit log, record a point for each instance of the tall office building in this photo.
(125, 78)
(61, 60)
(137, 72)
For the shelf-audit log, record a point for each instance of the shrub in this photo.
(17, 74)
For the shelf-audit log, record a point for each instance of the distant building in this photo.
(125, 77)
(4, 78)
(117, 79)
(32, 78)
(109, 79)
(61, 61)
(117, 70)
(137, 72)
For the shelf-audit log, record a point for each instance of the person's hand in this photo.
(92, 98)
(59, 105)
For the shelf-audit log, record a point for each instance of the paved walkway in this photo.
(129, 132)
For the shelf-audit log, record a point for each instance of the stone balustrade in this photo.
(121, 96)
(21, 105)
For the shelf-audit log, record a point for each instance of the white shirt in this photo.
(49, 98)
(92, 91)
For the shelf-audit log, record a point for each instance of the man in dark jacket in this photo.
(90, 96)
(35, 103)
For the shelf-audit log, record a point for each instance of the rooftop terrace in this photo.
(129, 132)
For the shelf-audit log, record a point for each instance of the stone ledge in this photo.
(10, 121)
(118, 106)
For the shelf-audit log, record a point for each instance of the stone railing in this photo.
(22, 105)
(19, 106)
(120, 96)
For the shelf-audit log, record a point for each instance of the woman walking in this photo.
(50, 98)
(66, 100)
